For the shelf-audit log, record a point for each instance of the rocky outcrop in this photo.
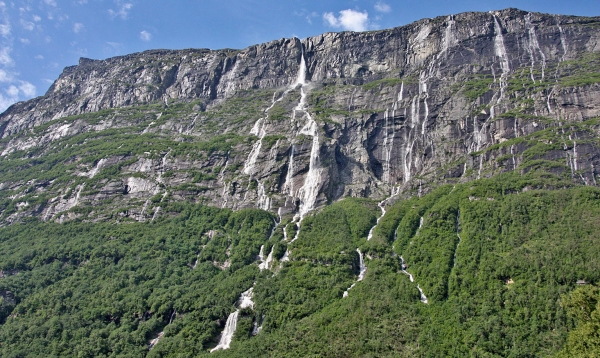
(370, 114)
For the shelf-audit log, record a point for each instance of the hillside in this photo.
(427, 190)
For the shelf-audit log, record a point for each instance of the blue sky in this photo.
(38, 38)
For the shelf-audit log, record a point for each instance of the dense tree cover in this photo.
(497, 258)
(584, 305)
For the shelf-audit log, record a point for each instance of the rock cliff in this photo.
(291, 125)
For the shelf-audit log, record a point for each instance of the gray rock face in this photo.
(368, 114)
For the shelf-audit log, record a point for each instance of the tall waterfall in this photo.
(245, 301)
(310, 190)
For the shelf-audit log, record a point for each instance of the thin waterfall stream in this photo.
(362, 273)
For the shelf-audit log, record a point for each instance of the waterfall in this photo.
(423, 89)
(423, 297)
(500, 51)
(403, 266)
(156, 212)
(156, 340)
(289, 182)
(259, 131)
(412, 279)
(382, 207)
(449, 36)
(264, 265)
(534, 45)
(264, 202)
(361, 274)
(499, 48)
(96, 168)
(361, 265)
(309, 191)
(245, 301)
(160, 335)
(227, 334)
(196, 262)
(563, 42)
(388, 141)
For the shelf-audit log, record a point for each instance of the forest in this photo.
(499, 261)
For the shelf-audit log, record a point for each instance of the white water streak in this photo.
(310, 190)
(361, 274)
(245, 301)
(534, 46)
(382, 207)
(265, 264)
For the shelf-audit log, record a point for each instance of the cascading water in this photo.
(423, 297)
(264, 265)
(403, 266)
(245, 301)
(156, 340)
(259, 131)
(361, 274)
(388, 143)
(499, 48)
(310, 189)
(534, 46)
(382, 207)
(412, 279)
(289, 182)
(160, 335)
(264, 202)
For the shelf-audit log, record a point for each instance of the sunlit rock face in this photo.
(298, 123)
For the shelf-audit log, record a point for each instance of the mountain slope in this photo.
(428, 190)
(442, 100)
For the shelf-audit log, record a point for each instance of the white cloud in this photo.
(309, 16)
(5, 58)
(5, 102)
(24, 41)
(27, 25)
(12, 91)
(383, 7)
(348, 20)
(27, 89)
(145, 36)
(18, 91)
(36, 18)
(5, 77)
(39, 57)
(122, 12)
(77, 27)
(5, 30)
(50, 2)
(116, 45)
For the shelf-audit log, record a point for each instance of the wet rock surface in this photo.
(295, 124)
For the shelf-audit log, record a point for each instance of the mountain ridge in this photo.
(429, 190)
(441, 85)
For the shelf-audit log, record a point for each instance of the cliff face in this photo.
(291, 125)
